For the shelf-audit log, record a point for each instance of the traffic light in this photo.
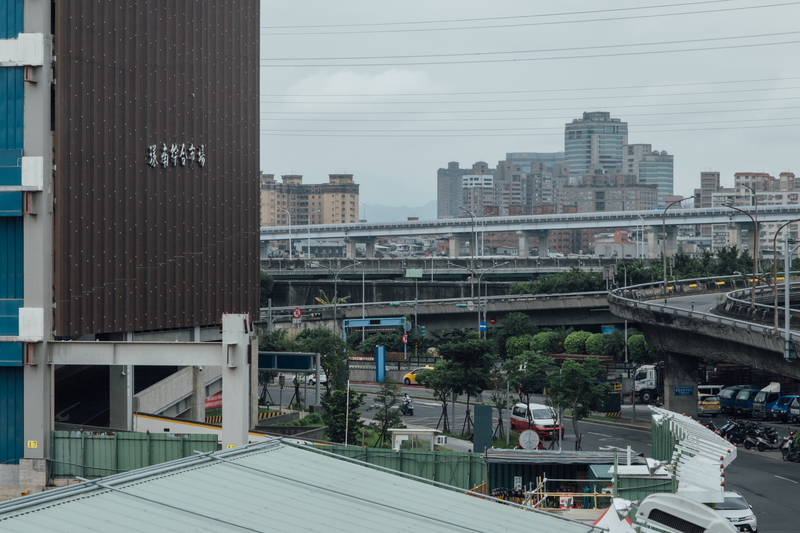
(422, 331)
(461, 305)
(315, 315)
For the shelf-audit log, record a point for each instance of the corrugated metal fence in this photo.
(460, 469)
(664, 441)
(91, 455)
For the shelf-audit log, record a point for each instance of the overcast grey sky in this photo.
(467, 80)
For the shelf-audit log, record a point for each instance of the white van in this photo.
(709, 390)
(542, 419)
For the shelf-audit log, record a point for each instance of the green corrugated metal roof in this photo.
(265, 487)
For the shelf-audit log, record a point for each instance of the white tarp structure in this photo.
(699, 457)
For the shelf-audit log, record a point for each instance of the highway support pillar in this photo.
(671, 241)
(350, 249)
(525, 242)
(369, 252)
(652, 242)
(680, 383)
(453, 241)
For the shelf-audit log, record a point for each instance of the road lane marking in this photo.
(599, 434)
(786, 479)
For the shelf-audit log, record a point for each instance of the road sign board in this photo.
(405, 338)
(483, 325)
(470, 306)
(296, 313)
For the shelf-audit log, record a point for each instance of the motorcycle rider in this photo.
(406, 401)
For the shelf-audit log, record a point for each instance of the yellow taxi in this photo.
(411, 377)
(708, 405)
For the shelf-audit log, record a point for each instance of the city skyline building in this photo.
(594, 142)
(335, 202)
(652, 166)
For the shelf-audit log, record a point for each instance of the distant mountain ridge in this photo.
(385, 213)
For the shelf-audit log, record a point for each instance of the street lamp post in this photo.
(664, 233)
(755, 252)
(336, 288)
(775, 269)
(309, 230)
(289, 223)
(472, 249)
(787, 262)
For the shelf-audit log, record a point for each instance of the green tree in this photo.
(527, 373)
(276, 341)
(546, 342)
(595, 343)
(440, 380)
(640, 352)
(386, 415)
(513, 325)
(336, 418)
(574, 280)
(333, 355)
(470, 371)
(266, 284)
(324, 300)
(575, 388)
(575, 343)
(517, 345)
(500, 397)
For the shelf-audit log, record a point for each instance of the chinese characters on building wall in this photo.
(176, 155)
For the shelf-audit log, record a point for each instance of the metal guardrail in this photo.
(621, 295)
(475, 301)
(467, 225)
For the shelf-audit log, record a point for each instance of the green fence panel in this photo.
(100, 454)
(92, 455)
(460, 469)
(133, 450)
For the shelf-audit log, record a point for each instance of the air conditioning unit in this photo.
(678, 514)
(441, 439)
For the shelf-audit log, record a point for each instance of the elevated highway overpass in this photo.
(688, 323)
(526, 227)
(574, 309)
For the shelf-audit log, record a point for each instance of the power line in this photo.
(373, 136)
(549, 128)
(540, 51)
(702, 112)
(534, 91)
(513, 17)
(528, 59)
(528, 24)
(571, 108)
(573, 98)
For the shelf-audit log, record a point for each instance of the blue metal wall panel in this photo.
(11, 416)
(10, 18)
(12, 107)
(11, 258)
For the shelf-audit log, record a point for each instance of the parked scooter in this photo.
(407, 408)
(789, 450)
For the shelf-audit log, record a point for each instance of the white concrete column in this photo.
(370, 251)
(453, 240)
(235, 380)
(524, 244)
(671, 241)
(350, 249)
(652, 242)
